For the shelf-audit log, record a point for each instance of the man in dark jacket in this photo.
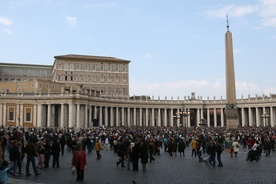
(30, 150)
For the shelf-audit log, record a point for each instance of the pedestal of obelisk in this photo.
(232, 119)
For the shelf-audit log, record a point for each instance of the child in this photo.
(4, 172)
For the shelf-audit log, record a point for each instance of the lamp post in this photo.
(183, 113)
(265, 116)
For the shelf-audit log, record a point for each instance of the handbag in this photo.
(73, 171)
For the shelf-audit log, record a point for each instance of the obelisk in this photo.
(231, 111)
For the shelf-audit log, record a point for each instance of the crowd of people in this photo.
(131, 144)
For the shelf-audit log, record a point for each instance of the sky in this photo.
(175, 47)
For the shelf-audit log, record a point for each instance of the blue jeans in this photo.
(31, 158)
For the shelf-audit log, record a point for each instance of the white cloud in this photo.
(7, 31)
(148, 55)
(271, 22)
(5, 21)
(232, 10)
(101, 5)
(71, 20)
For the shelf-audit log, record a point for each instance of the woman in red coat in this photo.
(79, 162)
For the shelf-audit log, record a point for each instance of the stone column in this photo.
(159, 117)
(34, 116)
(221, 117)
(134, 116)
(100, 116)
(1, 114)
(5, 115)
(17, 115)
(86, 116)
(250, 116)
(272, 117)
(49, 115)
(147, 117)
(257, 117)
(78, 116)
(152, 117)
(140, 117)
(165, 117)
(177, 119)
(243, 116)
(215, 118)
(197, 117)
(21, 123)
(39, 110)
(128, 117)
(208, 117)
(62, 115)
(111, 116)
(90, 116)
(106, 116)
(123, 116)
(71, 122)
(189, 119)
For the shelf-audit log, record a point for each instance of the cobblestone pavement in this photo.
(164, 170)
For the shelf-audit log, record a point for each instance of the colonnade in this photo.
(85, 114)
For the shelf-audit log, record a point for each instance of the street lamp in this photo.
(265, 116)
(183, 113)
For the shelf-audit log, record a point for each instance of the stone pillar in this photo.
(272, 117)
(208, 117)
(90, 116)
(215, 118)
(159, 117)
(86, 116)
(106, 116)
(222, 117)
(250, 116)
(39, 110)
(17, 116)
(197, 117)
(1, 114)
(49, 115)
(140, 117)
(100, 116)
(21, 123)
(34, 113)
(111, 116)
(257, 117)
(147, 117)
(62, 115)
(243, 116)
(165, 117)
(78, 116)
(123, 116)
(128, 117)
(189, 119)
(152, 123)
(71, 122)
(177, 119)
(134, 116)
(5, 115)
(171, 118)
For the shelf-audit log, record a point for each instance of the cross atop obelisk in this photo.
(231, 111)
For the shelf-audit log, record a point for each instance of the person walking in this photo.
(219, 148)
(14, 155)
(236, 147)
(30, 150)
(56, 152)
(121, 153)
(181, 147)
(144, 155)
(79, 162)
(98, 147)
(135, 156)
